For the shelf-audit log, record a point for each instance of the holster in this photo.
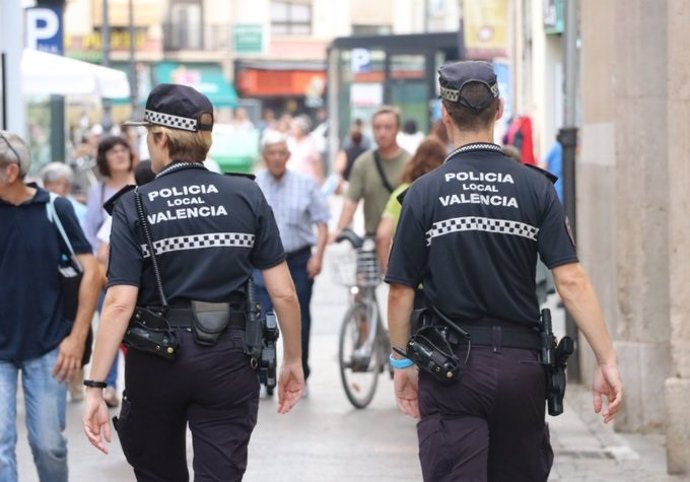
(150, 332)
(210, 320)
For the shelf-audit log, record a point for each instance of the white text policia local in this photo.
(470, 182)
(184, 196)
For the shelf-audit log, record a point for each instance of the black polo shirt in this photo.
(31, 321)
(471, 230)
(209, 232)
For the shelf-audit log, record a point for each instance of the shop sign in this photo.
(248, 39)
(553, 16)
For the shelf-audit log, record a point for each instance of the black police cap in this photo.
(177, 107)
(455, 76)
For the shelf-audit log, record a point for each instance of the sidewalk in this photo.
(588, 450)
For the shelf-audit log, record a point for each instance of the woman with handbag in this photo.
(182, 248)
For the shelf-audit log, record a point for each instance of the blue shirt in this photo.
(31, 322)
(297, 203)
(554, 164)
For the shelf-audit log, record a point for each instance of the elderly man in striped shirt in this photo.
(298, 206)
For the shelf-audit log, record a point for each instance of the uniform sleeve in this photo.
(69, 221)
(555, 244)
(125, 263)
(355, 190)
(268, 249)
(318, 207)
(409, 254)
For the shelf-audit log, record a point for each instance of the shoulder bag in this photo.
(71, 273)
(69, 268)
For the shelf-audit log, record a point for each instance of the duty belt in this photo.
(498, 335)
(183, 316)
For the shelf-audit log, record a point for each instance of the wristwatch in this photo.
(94, 384)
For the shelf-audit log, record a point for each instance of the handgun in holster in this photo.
(260, 336)
(554, 357)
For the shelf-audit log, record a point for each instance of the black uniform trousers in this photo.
(490, 425)
(212, 388)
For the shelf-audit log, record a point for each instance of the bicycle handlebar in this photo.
(349, 235)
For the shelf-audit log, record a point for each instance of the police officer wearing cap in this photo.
(209, 232)
(471, 231)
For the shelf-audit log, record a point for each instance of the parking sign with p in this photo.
(44, 29)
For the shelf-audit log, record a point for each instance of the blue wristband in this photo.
(399, 362)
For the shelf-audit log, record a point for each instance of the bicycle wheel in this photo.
(359, 363)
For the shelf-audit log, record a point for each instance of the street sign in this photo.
(44, 29)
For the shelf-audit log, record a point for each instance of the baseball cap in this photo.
(177, 107)
(455, 76)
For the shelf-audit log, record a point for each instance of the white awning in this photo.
(46, 74)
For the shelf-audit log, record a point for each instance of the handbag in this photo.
(70, 270)
(149, 330)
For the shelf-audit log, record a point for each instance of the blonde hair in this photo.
(185, 145)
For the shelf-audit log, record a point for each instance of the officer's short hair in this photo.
(56, 171)
(387, 109)
(184, 145)
(184, 115)
(469, 92)
(13, 150)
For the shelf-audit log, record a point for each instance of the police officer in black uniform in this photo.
(209, 232)
(471, 231)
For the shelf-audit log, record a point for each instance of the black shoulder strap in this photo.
(382, 175)
(551, 177)
(149, 242)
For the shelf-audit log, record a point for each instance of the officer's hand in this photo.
(290, 385)
(69, 357)
(96, 419)
(405, 381)
(607, 382)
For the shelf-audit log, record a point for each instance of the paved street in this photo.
(325, 439)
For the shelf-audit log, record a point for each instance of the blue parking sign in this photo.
(44, 29)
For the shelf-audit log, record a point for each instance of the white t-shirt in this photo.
(103, 234)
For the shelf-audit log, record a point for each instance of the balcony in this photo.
(178, 37)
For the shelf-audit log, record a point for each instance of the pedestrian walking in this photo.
(115, 161)
(182, 248)
(375, 173)
(471, 231)
(298, 206)
(39, 340)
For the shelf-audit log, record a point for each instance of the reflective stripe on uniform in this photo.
(200, 241)
(477, 223)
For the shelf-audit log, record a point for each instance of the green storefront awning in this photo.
(206, 78)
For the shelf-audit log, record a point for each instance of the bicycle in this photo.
(363, 344)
